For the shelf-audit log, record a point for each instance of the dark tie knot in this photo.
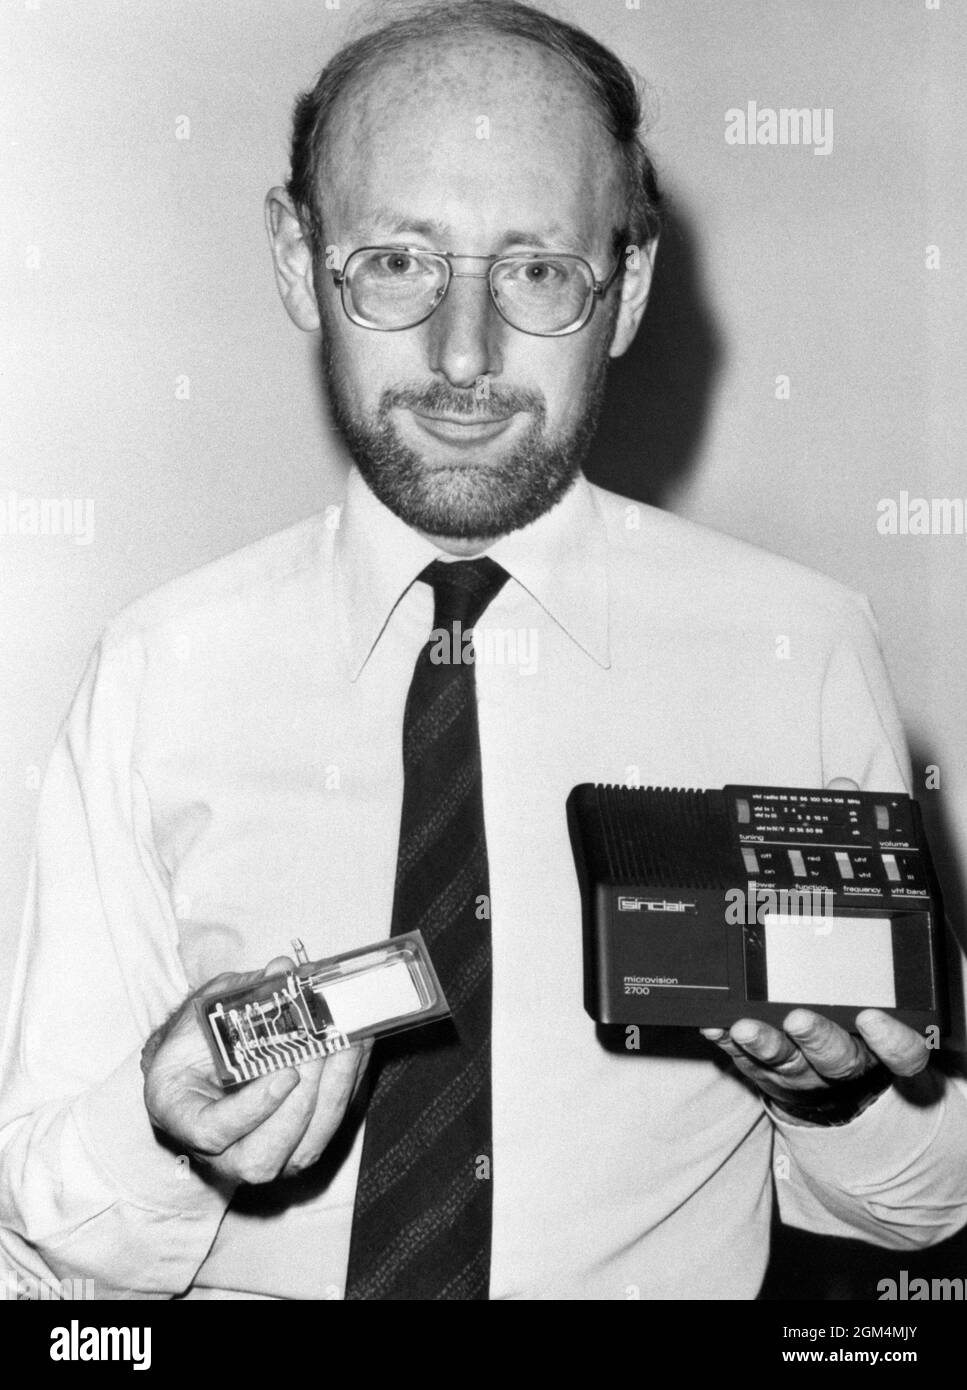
(462, 589)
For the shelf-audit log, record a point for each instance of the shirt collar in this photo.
(560, 559)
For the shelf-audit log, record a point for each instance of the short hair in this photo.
(604, 76)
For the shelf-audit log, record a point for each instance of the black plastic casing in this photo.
(673, 918)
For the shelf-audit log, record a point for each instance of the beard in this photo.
(473, 499)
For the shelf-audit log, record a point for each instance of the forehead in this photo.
(474, 141)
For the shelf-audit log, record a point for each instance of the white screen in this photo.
(370, 996)
(829, 960)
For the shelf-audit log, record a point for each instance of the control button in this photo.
(892, 868)
(844, 865)
(882, 817)
(814, 863)
(742, 810)
(750, 861)
(911, 870)
(767, 861)
(863, 866)
(797, 862)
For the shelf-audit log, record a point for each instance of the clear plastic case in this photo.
(321, 1007)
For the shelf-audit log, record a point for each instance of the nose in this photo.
(465, 334)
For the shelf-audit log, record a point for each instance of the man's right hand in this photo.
(277, 1125)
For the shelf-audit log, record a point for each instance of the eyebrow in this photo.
(387, 223)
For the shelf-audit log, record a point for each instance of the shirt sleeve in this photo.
(88, 1189)
(894, 1175)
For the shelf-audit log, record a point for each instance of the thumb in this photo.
(278, 966)
(231, 980)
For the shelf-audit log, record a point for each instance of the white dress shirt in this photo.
(230, 777)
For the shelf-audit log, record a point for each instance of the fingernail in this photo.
(799, 1021)
(713, 1034)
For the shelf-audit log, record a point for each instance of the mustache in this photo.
(439, 397)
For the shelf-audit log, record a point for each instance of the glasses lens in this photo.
(543, 294)
(390, 288)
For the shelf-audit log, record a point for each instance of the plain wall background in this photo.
(133, 258)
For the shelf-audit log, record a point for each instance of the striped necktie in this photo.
(422, 1220)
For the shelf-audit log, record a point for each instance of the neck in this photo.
(455, 545)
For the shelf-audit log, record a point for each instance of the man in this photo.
(258, 753)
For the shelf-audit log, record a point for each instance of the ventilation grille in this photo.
(656, 837)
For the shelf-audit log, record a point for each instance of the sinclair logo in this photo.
(654, 905)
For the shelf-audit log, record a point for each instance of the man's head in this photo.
(483, 129)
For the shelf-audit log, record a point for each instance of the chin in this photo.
(466, 503)
(477, 497)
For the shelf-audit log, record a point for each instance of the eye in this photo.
(397, 264)
(537, 274)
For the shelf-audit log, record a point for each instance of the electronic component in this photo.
(321, 1007)
(703, 907)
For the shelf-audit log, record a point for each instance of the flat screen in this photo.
(366, 997)
(829, 960)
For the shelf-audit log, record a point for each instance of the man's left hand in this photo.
(803, 1062)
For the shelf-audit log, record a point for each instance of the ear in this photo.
(293, 260)
(635, 286)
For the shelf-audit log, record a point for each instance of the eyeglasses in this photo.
(548, 294)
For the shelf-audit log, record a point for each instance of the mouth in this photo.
(466, 430)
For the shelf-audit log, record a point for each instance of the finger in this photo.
(768, 1046)
(366, 1048)
(183, 1042)
(792, 1070)
(279, 965)
(213, 1125)
(337, 1083)
(842, 784)
(230, 979)
(900, 1048)
(832, 1052)
(265, 1153)
(723, 1040)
